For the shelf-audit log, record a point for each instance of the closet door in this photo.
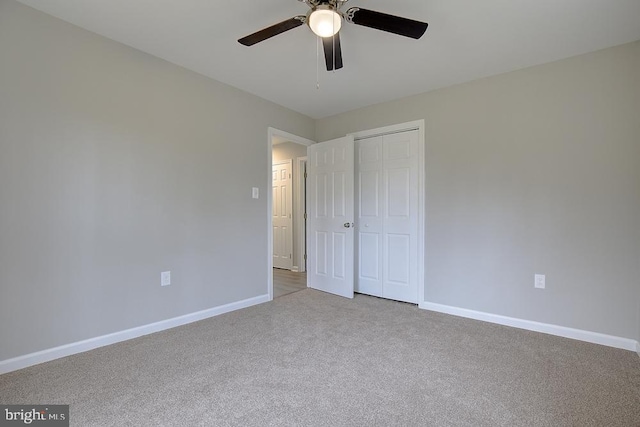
(400, 222)
(387, 216)
(369, 216)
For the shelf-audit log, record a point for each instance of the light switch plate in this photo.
(165, 278)
(255, 192)
(539, 281)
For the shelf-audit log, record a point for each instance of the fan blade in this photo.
(389, 23)
(328, 43)
(273, 30)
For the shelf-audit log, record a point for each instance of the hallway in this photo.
(286, 282)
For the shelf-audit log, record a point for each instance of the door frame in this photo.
(404, 127)
(271, 134)
(300, 208)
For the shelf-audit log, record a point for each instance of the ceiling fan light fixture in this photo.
(324, 21)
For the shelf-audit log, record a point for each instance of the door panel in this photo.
(369, 216)
(321, 254)
(387, 216)
(400, 158)
(339, 255)
(397, 265)
(397, 194)
(321, 182)
(330, 204)
(368, 203)
(282, 207)
(339, 196)
(369, 245)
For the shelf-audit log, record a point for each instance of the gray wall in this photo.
(284, 151)
(115, 166)
(534, 171)
(288, 150)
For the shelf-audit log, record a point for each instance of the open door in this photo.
(330, 216)
(282, 206)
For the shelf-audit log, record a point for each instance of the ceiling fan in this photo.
(325, 19)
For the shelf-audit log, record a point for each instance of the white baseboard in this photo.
(576, 334)
(31, 359)
(294, 268)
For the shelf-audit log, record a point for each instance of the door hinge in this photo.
(305, 175)
(305, 216)
(290, 256)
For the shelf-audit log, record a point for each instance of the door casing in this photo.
(300, 210)
(271, 134)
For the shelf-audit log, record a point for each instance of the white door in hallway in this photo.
(282, 215)
(330, 179)
(387, 216)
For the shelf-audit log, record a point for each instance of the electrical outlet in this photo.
(539, 281)
(165, 278)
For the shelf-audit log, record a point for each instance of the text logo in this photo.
(34, 415)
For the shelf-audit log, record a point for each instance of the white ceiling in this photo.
(466, 40)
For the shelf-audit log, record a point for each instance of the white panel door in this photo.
(369, 216)
(400, 248)
(282, 215)
(330, 216)
(387, 170)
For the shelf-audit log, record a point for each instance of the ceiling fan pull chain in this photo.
(317, 62)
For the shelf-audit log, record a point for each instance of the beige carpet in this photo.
(312, 359)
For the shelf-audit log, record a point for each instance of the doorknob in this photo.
(348, 224)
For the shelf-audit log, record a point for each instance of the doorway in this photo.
(286, 204)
